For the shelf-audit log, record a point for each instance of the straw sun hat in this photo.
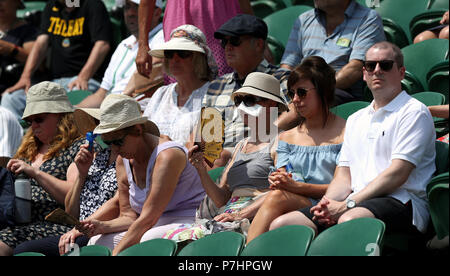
(264, 86)
(47, 97)
(118, 112)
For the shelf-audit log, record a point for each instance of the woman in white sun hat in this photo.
(175, 108)
(47, 151)
(158, 188)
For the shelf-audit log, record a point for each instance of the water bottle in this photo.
(22, 187)
(90, 137)
(295, 175)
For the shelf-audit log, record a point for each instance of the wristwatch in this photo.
(350, 203)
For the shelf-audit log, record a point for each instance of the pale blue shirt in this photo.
(350, 40)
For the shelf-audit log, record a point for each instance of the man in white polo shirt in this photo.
(122, 64)
(387, 158)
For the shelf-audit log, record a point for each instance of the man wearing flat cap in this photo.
(244, 39)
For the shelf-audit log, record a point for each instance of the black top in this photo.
(73, 35)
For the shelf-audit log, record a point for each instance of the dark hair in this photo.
(323, 77)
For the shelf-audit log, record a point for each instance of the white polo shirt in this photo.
(10, 133)
(403, 129)
(122, 64)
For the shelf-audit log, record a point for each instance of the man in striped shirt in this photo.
(341, 32)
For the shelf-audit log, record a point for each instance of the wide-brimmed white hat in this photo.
(47, 97)
(264, 86)
(185, 37)
(119, 111)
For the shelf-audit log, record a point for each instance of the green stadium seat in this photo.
(155, 247)
(345, 110)
(280, 23)
(29, 254)
(357, 237)
(263, 8)
(438, 198)
(217, 244)
(437, 79)
(31, 6)
(420, 58)
(76, 96)
(91, 250)
(291, 240)
(276, 48)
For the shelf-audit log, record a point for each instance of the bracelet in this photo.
(14, 52)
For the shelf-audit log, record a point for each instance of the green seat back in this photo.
(396, 15)
(91, 250)
(437, 78)
(155, 247)
(29, 254)
(216, 173)
(31, 6)
(357, 237)
(263, 8)
(429, 98)
(280, 23)
(421, 57)
(76, 96)
(218, 244)
(441, 160)
(347, 109)
(276, 48)
(291, 240)
(438, 198)
(303, 2)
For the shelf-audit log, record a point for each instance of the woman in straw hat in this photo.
(244, 181)
(175, 108)
(158, 187)
(93, 181)
(307, 154)
(45, 154)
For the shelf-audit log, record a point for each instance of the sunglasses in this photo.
(249, 100)
(117, 142)
(385, 65)
(301, 92)
(37, 120)
(180, 53)
(234, 40)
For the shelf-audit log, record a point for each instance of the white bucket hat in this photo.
(47, 97)
(264, 86)
(118, 112)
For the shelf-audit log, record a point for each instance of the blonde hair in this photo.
(67, 133)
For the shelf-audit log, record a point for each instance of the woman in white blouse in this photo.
(175, 108)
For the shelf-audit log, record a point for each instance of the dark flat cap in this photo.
(243, 24)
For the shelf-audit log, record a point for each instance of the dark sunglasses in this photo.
(117, 142)
(234, 40)
(37, 120)
(249, 100)
(385, 65)
(180, 53)
(301, 92)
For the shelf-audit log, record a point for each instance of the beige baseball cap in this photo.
(47, 97)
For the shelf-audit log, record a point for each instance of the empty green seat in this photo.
(218, 244)
(357, 237)
(276, 48)
(263, 8)
(155, 247)
(291, 240)
(441, 160)
(429, 98)
(31, 6)
(421, 57)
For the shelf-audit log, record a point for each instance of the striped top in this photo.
(361, 29)
(10, 133)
